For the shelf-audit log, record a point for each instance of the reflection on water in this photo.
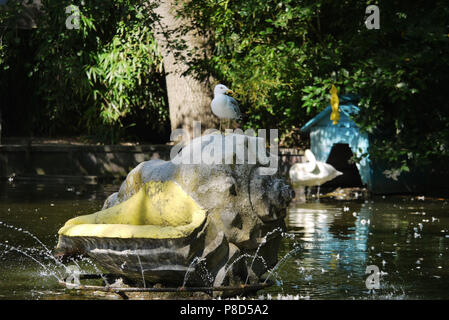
(408, 240)
(337, 239)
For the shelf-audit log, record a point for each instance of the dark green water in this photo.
(408, 240)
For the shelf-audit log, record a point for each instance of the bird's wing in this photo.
(235, 106)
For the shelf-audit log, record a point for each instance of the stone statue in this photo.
(189, 222)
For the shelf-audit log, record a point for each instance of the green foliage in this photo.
(258, 50)
(282, 57)
(101, 78)
(6, 19)
(2, 53)
(122, 74)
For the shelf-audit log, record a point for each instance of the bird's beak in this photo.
(229, 91)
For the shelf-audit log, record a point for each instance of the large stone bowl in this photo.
(152, 236)
(227, 212)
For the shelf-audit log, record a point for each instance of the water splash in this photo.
(190, 269)
(45, 253)
(264, 240)
(208, 278)
(141, 271)
(296, 248)
(97, 270)
(205, 275)
(46, 269)
(246, 255)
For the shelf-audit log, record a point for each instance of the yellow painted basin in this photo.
(159, 210)
(155, 234)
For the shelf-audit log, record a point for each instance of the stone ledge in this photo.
(84, 148)
(103, 161)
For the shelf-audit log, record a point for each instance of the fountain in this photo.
(171, 221)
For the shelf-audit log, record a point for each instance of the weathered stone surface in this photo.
(242, 207)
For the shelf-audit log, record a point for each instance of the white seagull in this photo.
(224, 106)
(312, 173)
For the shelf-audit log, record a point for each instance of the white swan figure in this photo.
(312, 173)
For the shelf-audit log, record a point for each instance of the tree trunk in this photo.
(189, 99)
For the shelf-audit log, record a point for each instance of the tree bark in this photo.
(188, 98)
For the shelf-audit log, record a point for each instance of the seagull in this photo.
(312, 173)
(224, 106)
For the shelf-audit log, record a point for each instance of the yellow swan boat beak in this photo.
(159, 210)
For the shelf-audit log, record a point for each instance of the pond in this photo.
(405, 238)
